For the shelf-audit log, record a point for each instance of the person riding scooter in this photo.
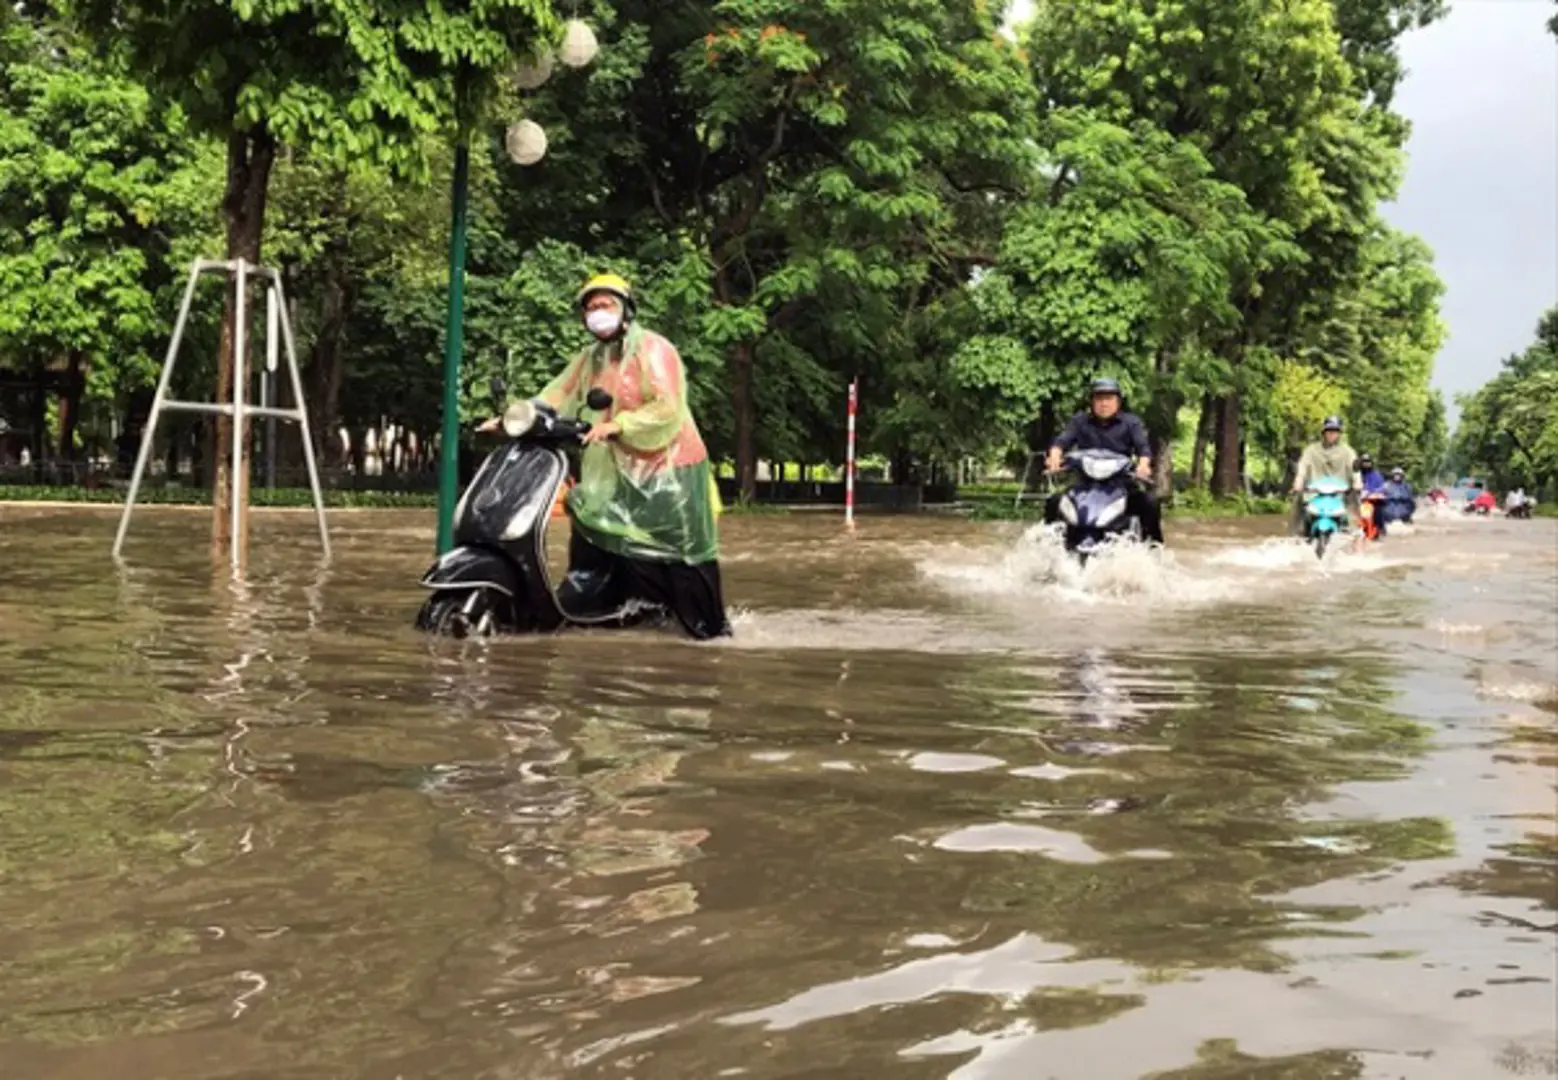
(1105, 426)
(1517, 504)
(1369, 478)
(644, 502)
(1371, 498)
(1330, 457)
(1400, 501)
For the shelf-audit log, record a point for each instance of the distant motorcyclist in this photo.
(1330, 457)
(1369, 478)
(1400, 501)
(1371, 498)
(1106, 426)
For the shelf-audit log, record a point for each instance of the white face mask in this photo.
(603, 323)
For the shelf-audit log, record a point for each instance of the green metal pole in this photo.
(454, 332)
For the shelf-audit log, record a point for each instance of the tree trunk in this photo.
(250, 155)
(1163, 421)
(170, 461)
(358, 453)
(1163, 465)
(1203, 436)
(1040, 434)
(1226, 474)
(39, 436)
(744, 410)
(71, 389)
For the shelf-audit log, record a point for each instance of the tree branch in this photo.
(1055, 189)
(977, 189)
(758, 173)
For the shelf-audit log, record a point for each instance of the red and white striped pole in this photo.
(849, 457)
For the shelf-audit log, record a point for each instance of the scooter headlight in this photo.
(519, 418)
(1068, 510)
(1103, 468)
(1112, 511)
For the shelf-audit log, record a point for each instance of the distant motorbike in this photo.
(1523, 510)
(1371, 509)
(1397, 511)
(1325, 512)
(495, 579)
(1095, 508)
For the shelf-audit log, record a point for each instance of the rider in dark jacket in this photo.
(1400, 501)
(1106, 426)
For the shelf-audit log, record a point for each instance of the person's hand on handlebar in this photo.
(1052, 460)
(602, 431)
(490, 425)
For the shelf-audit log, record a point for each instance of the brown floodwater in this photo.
(943, 808)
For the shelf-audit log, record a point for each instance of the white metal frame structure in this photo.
(239, 409)
(1023, 494)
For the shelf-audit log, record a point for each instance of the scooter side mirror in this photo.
(499, 389)
(598, 400)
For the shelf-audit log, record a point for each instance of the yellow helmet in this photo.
(608, 283)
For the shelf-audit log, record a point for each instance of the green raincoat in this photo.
(649, 493)
(1319, 460)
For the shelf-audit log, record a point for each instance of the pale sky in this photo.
(1482, 178)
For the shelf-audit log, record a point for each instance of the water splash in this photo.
(1123, 570)
(1127, 571)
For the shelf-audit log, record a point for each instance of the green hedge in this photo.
(177, 495)
(1197, 502)
(189, 496)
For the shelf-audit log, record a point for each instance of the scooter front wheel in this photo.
(458, 614)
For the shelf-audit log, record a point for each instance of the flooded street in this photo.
(944, 808)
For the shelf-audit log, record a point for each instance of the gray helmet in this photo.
(1397, 473)
(1332, 423)
(1366, 461)
(1106, 386)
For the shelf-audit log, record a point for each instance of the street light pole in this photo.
(526, 144)
(454, 333)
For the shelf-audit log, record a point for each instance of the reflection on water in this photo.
(945, 807)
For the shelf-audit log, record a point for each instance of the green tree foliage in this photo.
(1182, 195)
(97, 180)
(347, 83)
(1508, 429)
(819, 160)
(1267, 94)
(1373, 337)
(1129, 263)
(1300, 399)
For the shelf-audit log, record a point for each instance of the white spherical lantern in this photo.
(525, 142)
(532, 73)
(579, 45)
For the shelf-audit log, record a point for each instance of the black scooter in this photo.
(495, 580)
(1095, 509)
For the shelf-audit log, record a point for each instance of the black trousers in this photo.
(1139, 501)
(693, 594)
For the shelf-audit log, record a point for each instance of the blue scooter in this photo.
(1325, 512)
